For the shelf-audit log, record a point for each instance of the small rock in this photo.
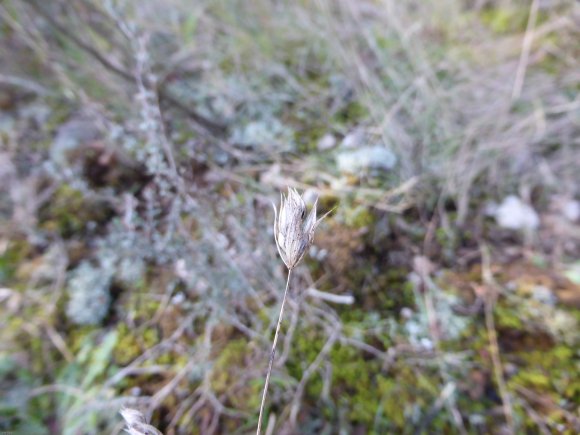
(178, 299)
(372, 157)
(544, 295)
(426, 343)
(326, 142)
(353, 139)
(514, 214)
(571, 210)
(180, 269)
(423, 266)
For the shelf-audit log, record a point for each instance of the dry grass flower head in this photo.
(294, 232)
(293, 228)
(136, 423)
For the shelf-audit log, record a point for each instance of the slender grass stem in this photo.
(272, 354)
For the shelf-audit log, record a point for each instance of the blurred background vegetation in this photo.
(141, 146)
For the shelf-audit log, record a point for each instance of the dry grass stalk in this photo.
(294, 233)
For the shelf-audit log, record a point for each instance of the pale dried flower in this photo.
(293, 229)
(136, 423)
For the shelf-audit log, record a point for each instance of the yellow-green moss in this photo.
(68, 212)
(507, 318)
(233, 353)
(359, 217)
(502, 20)
(12, 256)
(130, 345)
(78, 335)
(351, 113)
(226, 374)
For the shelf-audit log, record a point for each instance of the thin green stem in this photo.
(272, 354)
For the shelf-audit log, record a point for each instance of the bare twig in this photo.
(526, 46)
(26, 84)
(329, 297)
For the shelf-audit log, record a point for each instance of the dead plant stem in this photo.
(273, 353)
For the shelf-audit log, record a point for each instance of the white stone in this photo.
(352, 139)
(406, 312)
(427, 343)
(372, 157)
(514, 214)
(544, 294)
(326, 142)
(571, 210)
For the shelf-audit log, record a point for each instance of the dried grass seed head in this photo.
(293, 228)
(136, 423)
